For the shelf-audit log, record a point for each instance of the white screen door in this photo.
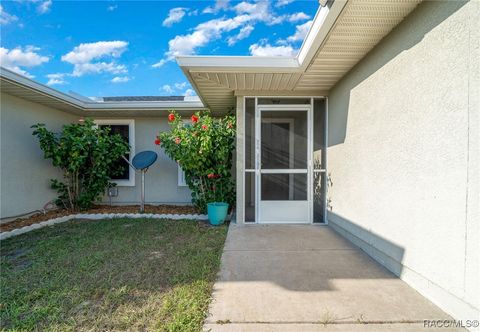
(282, 163)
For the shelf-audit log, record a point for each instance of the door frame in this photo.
(310, 169)
(259, 109)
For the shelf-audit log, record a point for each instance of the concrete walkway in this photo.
(308, 278)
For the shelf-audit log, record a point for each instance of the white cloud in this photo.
(281, 3)
(219, 5)
(300, 16)
(56, 79)
(176, 88)
(167, 89)
(204, 33)
(269, 50)
(44, 6)
(159, 63)
(181, 86)
(300, 32)
(83, 55)
(81, 69)
(6, 18)
(189, 93)
(120, 79)
(27, 57)
(111, 8)
(92, 51)
(201, 36)
(242, 34)
(175, 15)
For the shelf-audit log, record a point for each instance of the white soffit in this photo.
(342, 33)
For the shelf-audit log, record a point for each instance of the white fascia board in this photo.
(324, 20)
(237, 63)
(83, 105)
(146, 105)
(27, 83)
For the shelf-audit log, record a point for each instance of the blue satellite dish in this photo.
(144, 159)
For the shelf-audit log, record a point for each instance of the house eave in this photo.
(28, 89)
(342, 33)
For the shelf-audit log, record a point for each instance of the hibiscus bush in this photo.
(87, 155)
(204, 150)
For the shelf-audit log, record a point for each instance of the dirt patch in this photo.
(39, 217)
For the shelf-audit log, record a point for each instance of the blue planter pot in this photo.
(217, 212)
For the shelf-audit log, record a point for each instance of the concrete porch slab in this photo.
(280, 276)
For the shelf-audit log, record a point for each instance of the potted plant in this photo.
(218, 209)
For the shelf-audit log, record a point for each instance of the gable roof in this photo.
(342, 33)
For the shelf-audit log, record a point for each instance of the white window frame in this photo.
(181, 177)
(131, 142)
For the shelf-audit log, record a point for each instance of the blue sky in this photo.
(114, 48)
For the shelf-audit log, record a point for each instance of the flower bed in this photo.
(98, 209)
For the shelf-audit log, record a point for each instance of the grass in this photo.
(141, 275)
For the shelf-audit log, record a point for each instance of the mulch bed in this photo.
(39, 217)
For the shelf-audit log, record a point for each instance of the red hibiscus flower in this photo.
(177, 140)
(229, 126)
(171, 117)
(157, 141)
(204, 127)
(211, 176)
(194, 118)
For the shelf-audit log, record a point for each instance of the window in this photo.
(181, 177)
(126, 129)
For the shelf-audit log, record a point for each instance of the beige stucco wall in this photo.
(403, 154)
(24, 173)
(161, 180)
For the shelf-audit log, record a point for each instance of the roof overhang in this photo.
(20, 86)
(342, 33)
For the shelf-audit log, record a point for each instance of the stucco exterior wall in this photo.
(24, 173)
(161, 180)
(403, 154)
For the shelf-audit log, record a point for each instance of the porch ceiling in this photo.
(341, 35)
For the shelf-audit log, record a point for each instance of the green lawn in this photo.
(125, 274)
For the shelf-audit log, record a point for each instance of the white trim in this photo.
(131, 142)
(291, 204)
(322, 24)
(181, 181)
(81, 103)
(310, 148)
(100, 216)
(310, 162)
(325, 167)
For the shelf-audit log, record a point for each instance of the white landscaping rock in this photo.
(99, 216)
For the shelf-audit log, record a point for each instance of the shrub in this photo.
(87, 156)
(204, 151)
